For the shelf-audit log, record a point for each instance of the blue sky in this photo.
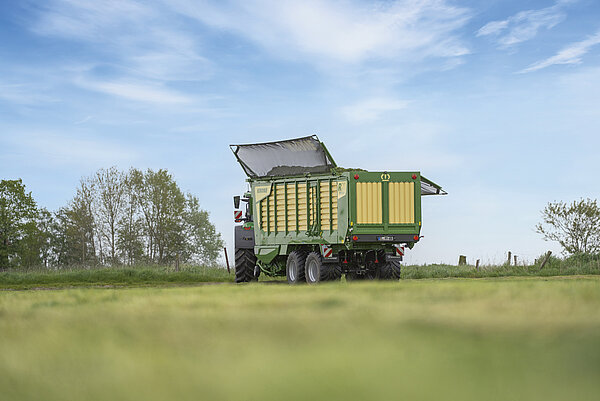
(497, 101)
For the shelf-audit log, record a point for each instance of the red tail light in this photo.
(355, 238)
(356, 176)
(416, 237)
(414, 176)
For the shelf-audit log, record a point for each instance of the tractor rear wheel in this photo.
(390, 270)
(317, 270)
(245, 262)
(294, 268)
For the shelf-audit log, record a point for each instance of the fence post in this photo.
(177, 262)
(509, 257)
(462, 260)
(227, 260)
(477, 265)
(515, 259)
(545, 259)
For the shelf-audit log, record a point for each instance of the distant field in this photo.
(452, 339)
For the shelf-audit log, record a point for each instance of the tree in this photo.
(575, 226)
(18, 212)
(109, 193)
(162, 204)
(204, 242)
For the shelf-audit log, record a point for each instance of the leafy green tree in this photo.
(204, 242)
(130, 227)
(109, 192)
(162, 205)
(575, 226)
(18, 212)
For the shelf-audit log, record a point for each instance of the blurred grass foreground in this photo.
(525, 338)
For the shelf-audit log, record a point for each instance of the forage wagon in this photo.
(312, 221)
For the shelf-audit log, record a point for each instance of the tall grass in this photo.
(573, 265)
(118, 276)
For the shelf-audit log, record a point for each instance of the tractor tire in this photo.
(317, 270)
(390, 270)
(245, 262)
(294, 267)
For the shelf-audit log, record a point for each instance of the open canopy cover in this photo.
(290, 157)
(296, 157)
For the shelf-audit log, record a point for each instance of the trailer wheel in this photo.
(294, 268)
(390, 270)
(245, 262)
(317, 270)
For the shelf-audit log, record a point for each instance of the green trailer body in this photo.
(352, 220)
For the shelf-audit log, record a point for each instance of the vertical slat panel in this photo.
(369, 208)
(402, 202)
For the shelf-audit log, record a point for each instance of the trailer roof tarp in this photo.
(290, 157)
(429, 187)
(295, 157)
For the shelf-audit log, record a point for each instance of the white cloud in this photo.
(137, 37)
(524, 25)
(343, 31)
(43, 148)
(372, 109)
(138, 92)
(571, 54)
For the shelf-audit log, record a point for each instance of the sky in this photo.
(498, 101)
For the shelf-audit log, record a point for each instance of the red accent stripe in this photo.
(238, 215)
(328, 252)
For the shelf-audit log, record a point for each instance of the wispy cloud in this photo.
(49, 148)
(571, 54)
(343, 32)
(372, 109)
(524, 25)
(141, 92)
(135, 47)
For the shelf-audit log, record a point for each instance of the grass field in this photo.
(457, 339)
(165, 276)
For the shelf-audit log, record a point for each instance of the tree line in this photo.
(115, 218)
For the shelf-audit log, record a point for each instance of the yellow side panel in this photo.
(302, 209)
(402, 202)
(291, 201)
(369, 209)
(280, 198)
(271, 200)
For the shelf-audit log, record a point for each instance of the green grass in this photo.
(161, 275)
(454, 339)
(117, 276)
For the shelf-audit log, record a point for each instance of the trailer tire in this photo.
(294, 267)
(245, 262)
(390, 270)
(317, 270)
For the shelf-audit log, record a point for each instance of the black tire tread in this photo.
(390, 270)
(245, 260)
(300, 257)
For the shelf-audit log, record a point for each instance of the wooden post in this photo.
(462, 260)
(515, 259)
(545, 259)
(177, 263)
(477, 265)
(227, 260)
(509, 256)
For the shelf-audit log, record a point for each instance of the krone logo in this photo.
(385, 177)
